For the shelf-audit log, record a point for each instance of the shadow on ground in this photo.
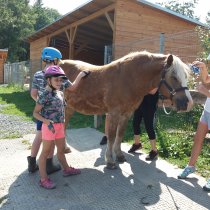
(135, 184)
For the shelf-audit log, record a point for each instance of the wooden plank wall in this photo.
(138, 27)
(35, 53)
(85, 55)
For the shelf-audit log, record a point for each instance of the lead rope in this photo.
(164, 108)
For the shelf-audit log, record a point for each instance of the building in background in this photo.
(126, 25)
(3, 58)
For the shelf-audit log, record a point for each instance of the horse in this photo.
(118, 88)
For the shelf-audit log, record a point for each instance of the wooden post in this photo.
(107, 59)
(71, 34)
(162, 44)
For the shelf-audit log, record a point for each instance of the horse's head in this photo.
(173, 84)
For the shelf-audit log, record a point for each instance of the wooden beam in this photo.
(73, 34)
(109, 21)
(67, 35)
(86, 19)
(48, 40)
(73, 31)
(94, 15)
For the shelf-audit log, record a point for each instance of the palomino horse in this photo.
(119, 87)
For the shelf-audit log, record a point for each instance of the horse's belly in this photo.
(86, 106)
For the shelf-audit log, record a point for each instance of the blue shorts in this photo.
(205, 118)
(38, 125)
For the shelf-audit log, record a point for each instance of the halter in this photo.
(164, 82)
(171, 90)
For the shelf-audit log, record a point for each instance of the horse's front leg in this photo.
(112, 128)
(68, 113)
(123, 121)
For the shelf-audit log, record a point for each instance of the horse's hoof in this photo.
(111, 166)
(121, 159)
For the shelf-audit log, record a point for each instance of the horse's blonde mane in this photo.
(135, 54)
(177, 68)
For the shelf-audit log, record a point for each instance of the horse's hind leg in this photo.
(112, 127)
(123, 121)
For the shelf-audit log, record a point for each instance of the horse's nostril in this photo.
(182, 103)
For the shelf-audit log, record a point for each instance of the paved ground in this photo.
(136, 184)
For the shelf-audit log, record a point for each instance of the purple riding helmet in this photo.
(54, 71)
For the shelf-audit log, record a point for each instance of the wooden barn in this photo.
(126, 25)
(3, 58)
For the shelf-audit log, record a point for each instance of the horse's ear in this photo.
(170, 60)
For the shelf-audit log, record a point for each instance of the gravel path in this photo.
(15, 126)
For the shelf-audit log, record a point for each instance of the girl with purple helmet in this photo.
(50, 110)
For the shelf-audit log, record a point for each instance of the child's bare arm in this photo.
(75, 84)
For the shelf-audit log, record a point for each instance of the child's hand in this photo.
(50, 125)
(200, 65)
(200, 88)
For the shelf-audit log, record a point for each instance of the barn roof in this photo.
(89, 8)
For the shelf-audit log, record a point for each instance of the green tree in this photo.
(204, 36)
(185, 8)
(18, 19)
(16, 23)
(208, 19)
(43, 15)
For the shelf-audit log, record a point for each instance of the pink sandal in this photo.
(71, 171)
(47, 183)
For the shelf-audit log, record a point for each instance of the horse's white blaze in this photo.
(190, 103)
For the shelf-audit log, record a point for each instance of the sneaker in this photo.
(47, 183)
(135, 147)
(207, 186)
(71, 171)
(187, 170)
(152, 155)
(103, 140)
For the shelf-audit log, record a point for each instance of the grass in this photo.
(17, 100)
(174, 132)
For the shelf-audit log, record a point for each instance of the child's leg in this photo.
(46, 148)
(67, 170)
(36, 143)
(60, 144)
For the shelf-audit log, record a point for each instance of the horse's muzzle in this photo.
(183, 104)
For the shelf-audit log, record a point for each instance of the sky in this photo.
(66, 6)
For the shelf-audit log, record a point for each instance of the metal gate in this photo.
(17, 73)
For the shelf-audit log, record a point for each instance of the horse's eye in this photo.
(175, 78)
